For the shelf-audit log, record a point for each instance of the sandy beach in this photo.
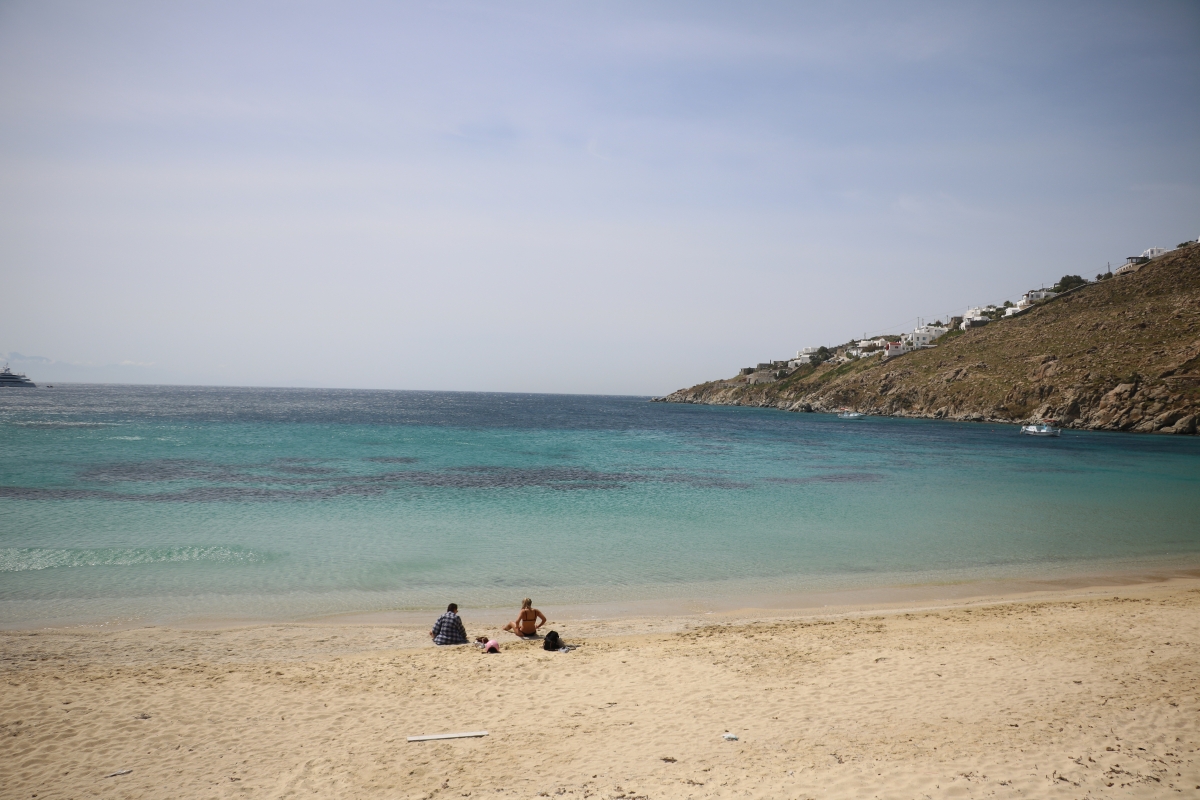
(1083, 692)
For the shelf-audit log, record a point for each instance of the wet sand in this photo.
(1080, 691)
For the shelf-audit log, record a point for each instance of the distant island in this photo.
(1118, 353)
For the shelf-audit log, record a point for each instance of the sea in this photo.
(169, 505)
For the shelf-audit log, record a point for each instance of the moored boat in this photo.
(1040, 429)
(846, 413)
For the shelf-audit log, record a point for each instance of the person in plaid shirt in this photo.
(449, 627)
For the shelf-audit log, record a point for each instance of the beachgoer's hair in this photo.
(526, 603)
(452, 607)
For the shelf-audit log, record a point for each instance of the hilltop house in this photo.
(977, 317)
(866, 347)
(1028, 299)
(804, 356)
(1134, 263)
(922, 336)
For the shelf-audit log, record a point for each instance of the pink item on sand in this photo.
(492, 646)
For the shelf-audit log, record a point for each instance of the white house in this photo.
(895, 349)
(1028, 299)
(977, 316)
(804, 356)
(923, 336)
(1155, 252)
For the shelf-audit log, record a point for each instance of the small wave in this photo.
(24, 559)
(63, 424)
(833, 477)
(126, 438)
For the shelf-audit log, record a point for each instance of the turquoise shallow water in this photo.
(169, 503)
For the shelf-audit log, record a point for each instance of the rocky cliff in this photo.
(1122, 354)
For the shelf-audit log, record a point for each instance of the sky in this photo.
(610, 198)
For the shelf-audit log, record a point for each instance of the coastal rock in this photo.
(1167, 419)
(1120, 395)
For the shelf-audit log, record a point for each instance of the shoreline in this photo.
(719, 393)
(677, 613)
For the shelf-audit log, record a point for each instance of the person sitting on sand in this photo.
(449, 627)
(529, 619)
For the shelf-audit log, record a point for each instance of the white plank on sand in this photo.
(433, 736)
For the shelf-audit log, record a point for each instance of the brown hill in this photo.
(1122, 354)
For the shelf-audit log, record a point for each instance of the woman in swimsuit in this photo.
(529, 619)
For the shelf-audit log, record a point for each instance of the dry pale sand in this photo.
(1081, 695)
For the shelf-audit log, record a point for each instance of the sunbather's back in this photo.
(528, 621)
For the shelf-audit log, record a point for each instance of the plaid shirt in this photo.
(449, 630)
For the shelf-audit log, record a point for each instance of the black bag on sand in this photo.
(552, 641)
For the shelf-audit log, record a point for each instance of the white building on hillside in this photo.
(979, 315)
(923, 336)
(1028, 299)
(804, 356)
(1134, 263)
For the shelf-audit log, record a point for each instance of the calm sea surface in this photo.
(168, 503)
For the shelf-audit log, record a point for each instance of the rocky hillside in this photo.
(1122, 354)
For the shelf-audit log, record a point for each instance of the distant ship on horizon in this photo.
(10, 378)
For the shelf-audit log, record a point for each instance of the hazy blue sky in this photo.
(524, 196)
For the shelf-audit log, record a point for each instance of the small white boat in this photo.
(848, 414)
(1040, 429)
